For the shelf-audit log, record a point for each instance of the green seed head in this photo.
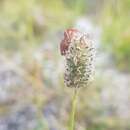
(79, 61)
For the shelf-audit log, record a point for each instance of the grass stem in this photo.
(73, 110)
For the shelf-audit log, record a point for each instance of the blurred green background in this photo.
(32, 91)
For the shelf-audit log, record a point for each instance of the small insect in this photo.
(68, 35)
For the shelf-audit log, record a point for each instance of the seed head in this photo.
(79, 53)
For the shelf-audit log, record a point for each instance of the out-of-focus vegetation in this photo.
(115, 20)
(24, 23)
(32, 91)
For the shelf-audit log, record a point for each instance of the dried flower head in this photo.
(79, 52)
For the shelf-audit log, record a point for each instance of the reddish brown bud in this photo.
(68, 35)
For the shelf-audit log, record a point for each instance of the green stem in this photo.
(73, 111)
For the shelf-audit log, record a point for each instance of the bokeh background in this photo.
(32, 91)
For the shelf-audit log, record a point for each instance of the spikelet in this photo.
(79, 55)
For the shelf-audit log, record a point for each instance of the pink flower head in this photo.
(69, 35)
